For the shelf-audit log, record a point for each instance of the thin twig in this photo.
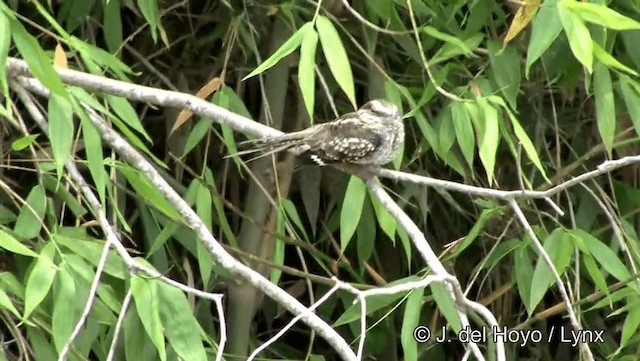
(561, 287)
(434, 264)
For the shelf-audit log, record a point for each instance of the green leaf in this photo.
(407, 246)
(31, 215)
(61, 130)
(63, 317)
(545, 29)
(93, 151)
(137, 345)
(13, 245)
(616, 296)
(387, 222)
(351, 210)
(366, 233)
(23, 142)
(38, 62)
(425, 126)
(112, 24)
(594, 271)
(579, 37)
(336, 56)
(309, 191)
(226, 98)
(630, 39)
(374, 303)
(447, 38)
(632, 100)
(5, 42)
(204, 208)
(601, 15)
(42, 349)
(603, 254)
(292, 214)
(500, 251)
(75, 13)
(523, 137)
(149, 193)
(446, 131)
(605, 105)
(145, 294)
(180, 325)
(223, 222)
(149, 9)
(278, 248)
(39, 280)
(505, 68)
(109, 302)
(607, 59)
(486, 215)
(91, 250)
(464, 131)
(95, 57)
(630, 326)
(489, 132)
(560, 250)
(127, 114)
(7, 304)
(446, 305)
(134, 139)
(410, 321)
(10, 283)
(287, 48)
(450, 50)
(306, 72)
(199, 130)
(527, 145)
(524, 275)
(55, 24)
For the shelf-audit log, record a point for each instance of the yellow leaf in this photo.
(523, 17)
(59, 57)
(272, 10)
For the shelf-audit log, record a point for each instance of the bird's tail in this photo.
(285, 140)
(270, 145)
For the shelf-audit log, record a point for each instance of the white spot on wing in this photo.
(317, 160)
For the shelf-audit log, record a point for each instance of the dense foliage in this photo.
(513, 95)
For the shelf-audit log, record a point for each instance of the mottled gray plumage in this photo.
(371, 135)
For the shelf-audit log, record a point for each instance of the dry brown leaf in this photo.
(212, 86)
(523, 17)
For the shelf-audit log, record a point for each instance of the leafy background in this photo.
(509, 95)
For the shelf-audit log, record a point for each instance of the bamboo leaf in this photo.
(605, 105)
(351, 210)
(336, 56)
(287, 48)
(580, 40)
(306, 69)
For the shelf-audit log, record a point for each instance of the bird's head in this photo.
(381, 108)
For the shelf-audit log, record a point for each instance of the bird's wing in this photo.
(347, 139)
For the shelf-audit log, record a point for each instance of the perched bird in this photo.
(372, 135)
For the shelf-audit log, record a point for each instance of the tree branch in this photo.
(217, 252)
